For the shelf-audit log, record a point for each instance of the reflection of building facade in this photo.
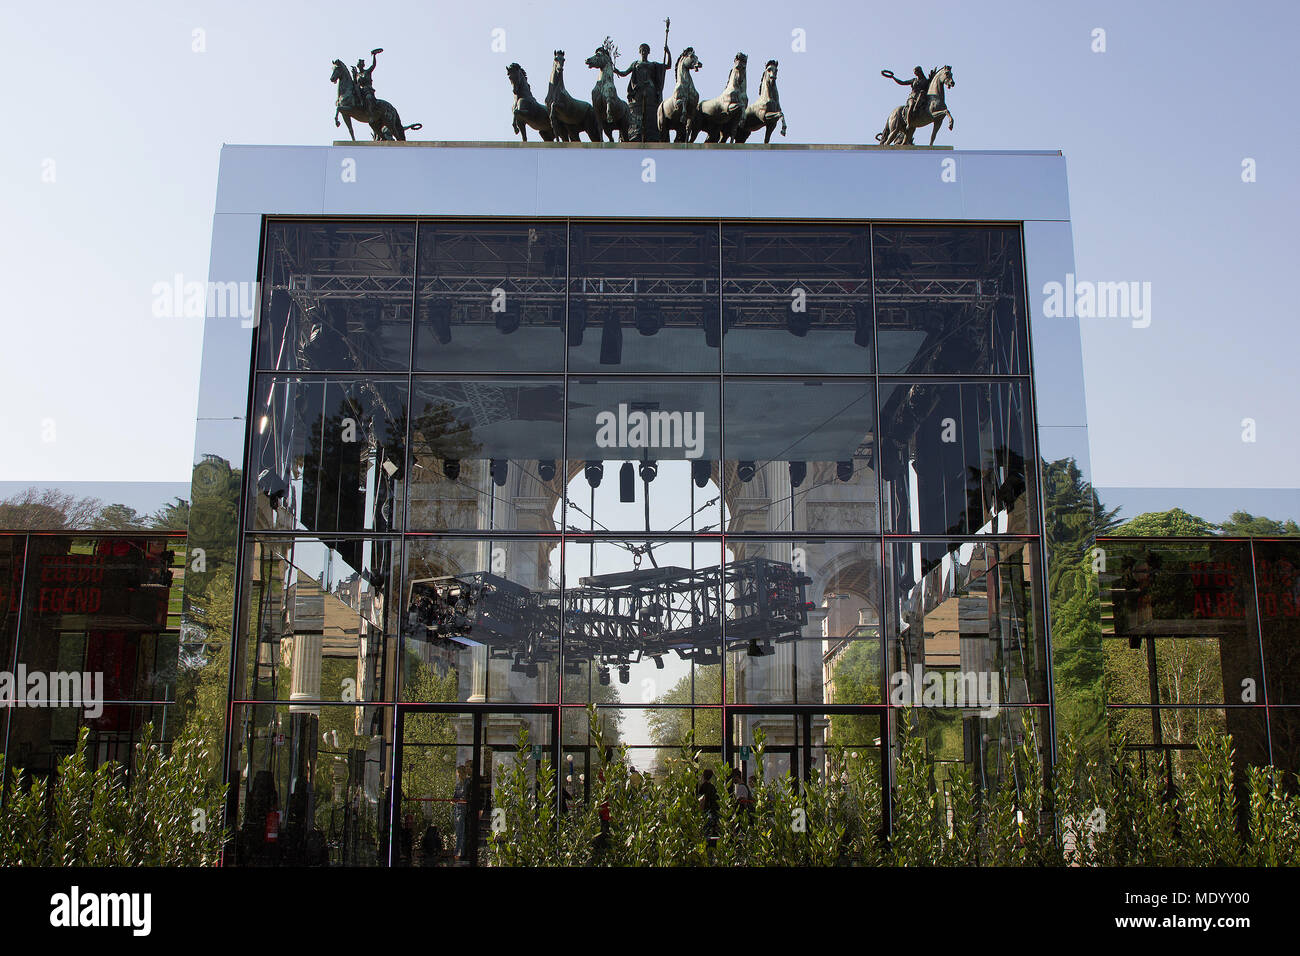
(105, 604)
(1201, 634)
(715, 454)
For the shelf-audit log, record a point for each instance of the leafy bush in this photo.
(1088, 812)
(163, 813)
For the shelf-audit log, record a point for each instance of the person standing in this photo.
(645, 91)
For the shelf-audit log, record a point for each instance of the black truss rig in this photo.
(616, 619)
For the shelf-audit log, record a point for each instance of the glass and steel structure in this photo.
(721, 475)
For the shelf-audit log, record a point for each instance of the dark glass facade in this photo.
(709, 476)
(1201, 634)
(106, 605)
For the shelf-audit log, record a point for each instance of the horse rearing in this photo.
(720, 118)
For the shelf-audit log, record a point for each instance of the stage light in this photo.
(439, 316)
(508, 320)
(745, 471)
(712, 325)
(577, 322)
(862, 322)
(499, 468)
(546, 469)
(627, 483)
(798, 472)
(451, 468)
(756, 649)
(649, 320)
(844, 470)
(611, 340)
(648, 470)
(701, 472)
(595, 470)
(798, 323)
(624, 674)
(659, 663)
(603, 676)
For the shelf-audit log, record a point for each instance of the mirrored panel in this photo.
(964, 624)
(643, 455)
(104, 609)
(312, 784)
(956, 458)
(39, 737)
(491, 297)
(1277, 574)
(322, 618)
(804, 621)
(642, 622)
(950, 299)
(481, 620)
(801, 456)
(1180, 622)
(484, 455)
(797, 298)
(336, 296)
(327, 454)
(643, 297)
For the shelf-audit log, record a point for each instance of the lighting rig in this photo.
(616, 619)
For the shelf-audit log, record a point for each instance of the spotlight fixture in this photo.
(500, 470)
(798, 472)
(745, 471)
(451, 468)
(508, 319)
(595, 470)
(439, 317)
(798, 323)
(862, 324)
(659, 663)
(624, 674)
(577, 322)
(712, 325)
(756, 649)
(603, 676)
(844, 470)
(627, 483)
(611, 340)
(546, 469)
(649, 320)
(648, 470)
(701, 471)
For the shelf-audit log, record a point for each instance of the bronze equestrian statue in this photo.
(528, 112)
(677, 114)
(920, 109)
(611, 112)
(764, 112)
(720, 118)
(356, 100)
(569, 117)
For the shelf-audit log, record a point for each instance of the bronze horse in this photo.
(764, 111)
(528, 112)
(932, 109)
(384, 124)
(677, 114)
(569, 117)
(611, 112)
(720, 118)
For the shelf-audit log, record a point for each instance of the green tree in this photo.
(1174, 523)
(1243, 524)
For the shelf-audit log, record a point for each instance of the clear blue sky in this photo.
(1154, 130)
